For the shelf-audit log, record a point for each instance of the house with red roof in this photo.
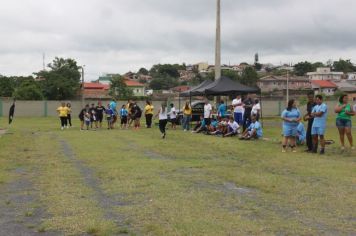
(324, 86)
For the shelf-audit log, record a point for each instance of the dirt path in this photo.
(106, 202)
(20, 210)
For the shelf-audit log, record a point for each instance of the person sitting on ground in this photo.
(301, 134)
(254, 131)
(213, 126)
(201, 126)
(232, 127)
(222, 127)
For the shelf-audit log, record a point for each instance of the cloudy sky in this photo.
(115, 36)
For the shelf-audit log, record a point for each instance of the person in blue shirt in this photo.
(301, 134)
(123, 116)
(253, 131)
(222, 109)
(201, 126)
(319, 113)
(291, 117)
(109, 116)
(113, 106)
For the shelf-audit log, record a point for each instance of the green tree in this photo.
(119, 89)
(143, 71)
(317, 65)
(7, 86)
(166, 82)
(28, 90)
(344, 66)
(249, 76)
(62, 81)
(302, 68)
(166, 70)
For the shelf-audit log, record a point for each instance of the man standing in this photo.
(238, 109)
(113, 106)
(319, 112)
(248, 103)
(100, 110)
(207, 112)
(310, 119)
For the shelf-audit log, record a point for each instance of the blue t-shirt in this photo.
(301, 132)
(203, 123)
(320, 121)
(222, 110)
(257, 126)
(109, 112)
(113, 106)
(292, 114)
(214, 123)
(123, 112)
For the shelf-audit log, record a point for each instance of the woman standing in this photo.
(63, 113)
(187, 115)
(291, 117)
(343, 120)
(162, 115)
(69, 117)
(148, 114)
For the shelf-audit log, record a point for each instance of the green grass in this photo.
(188, 184)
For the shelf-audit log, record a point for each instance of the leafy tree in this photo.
(62, 81)
(166, 70)
(317, 65)
(302, 68)
(143, 71)
(164, 83)
(7, 86)
(344, 66)
(28, 90)
(119, 89)
(249, 76)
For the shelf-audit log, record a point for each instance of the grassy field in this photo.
(125, 182)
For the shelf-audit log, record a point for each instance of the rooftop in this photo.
(323, 84)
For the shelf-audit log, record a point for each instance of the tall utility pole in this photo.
(43, 61)
(82, 67)
(287, 86)
(218, 43)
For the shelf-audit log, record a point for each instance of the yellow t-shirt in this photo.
(149, 109)
(188, 111)
(62, 111)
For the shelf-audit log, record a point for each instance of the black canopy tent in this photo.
(191, 91)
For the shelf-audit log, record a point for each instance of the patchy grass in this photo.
(188, 184)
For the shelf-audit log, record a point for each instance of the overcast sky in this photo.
(115, 36)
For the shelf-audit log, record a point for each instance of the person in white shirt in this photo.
(256, 109)
(233, 127)
(238, 109)
(207, 112)
(173, 116)
(162, 115)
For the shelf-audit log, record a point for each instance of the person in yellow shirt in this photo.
(63, 114)
(187, 116)
(149, 113)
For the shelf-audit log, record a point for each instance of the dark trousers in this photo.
(309, 136)
(63, 121)
(162, 126)
(149, 120)
(69, 119)
(247, 121)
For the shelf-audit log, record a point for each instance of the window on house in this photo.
(137, 90)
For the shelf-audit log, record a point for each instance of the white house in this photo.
(324, 73)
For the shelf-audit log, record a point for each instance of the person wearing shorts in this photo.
(319, 113)
(100, 110)
(344, 113)
(123, 116)
(109, 116)
(291, 117)
(254, 131)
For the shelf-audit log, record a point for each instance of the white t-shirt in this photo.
(162, 114)
(238, 108)
(233, 125)
(207, 110)
(172, 113)
(255, 109)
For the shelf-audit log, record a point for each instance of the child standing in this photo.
(123, 116)
(109, 116)
(162, 115)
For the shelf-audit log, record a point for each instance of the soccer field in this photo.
(131, 182)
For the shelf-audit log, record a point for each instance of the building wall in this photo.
(138, 91)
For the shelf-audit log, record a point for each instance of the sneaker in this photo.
(284, 150)
(294, 150)
(184, 130)
(62, 128)
(67, 127)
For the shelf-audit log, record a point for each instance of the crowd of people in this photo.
(316, 115)
(241, 119)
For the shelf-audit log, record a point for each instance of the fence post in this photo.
(45, 109)
(1, 114)
(279, 108)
